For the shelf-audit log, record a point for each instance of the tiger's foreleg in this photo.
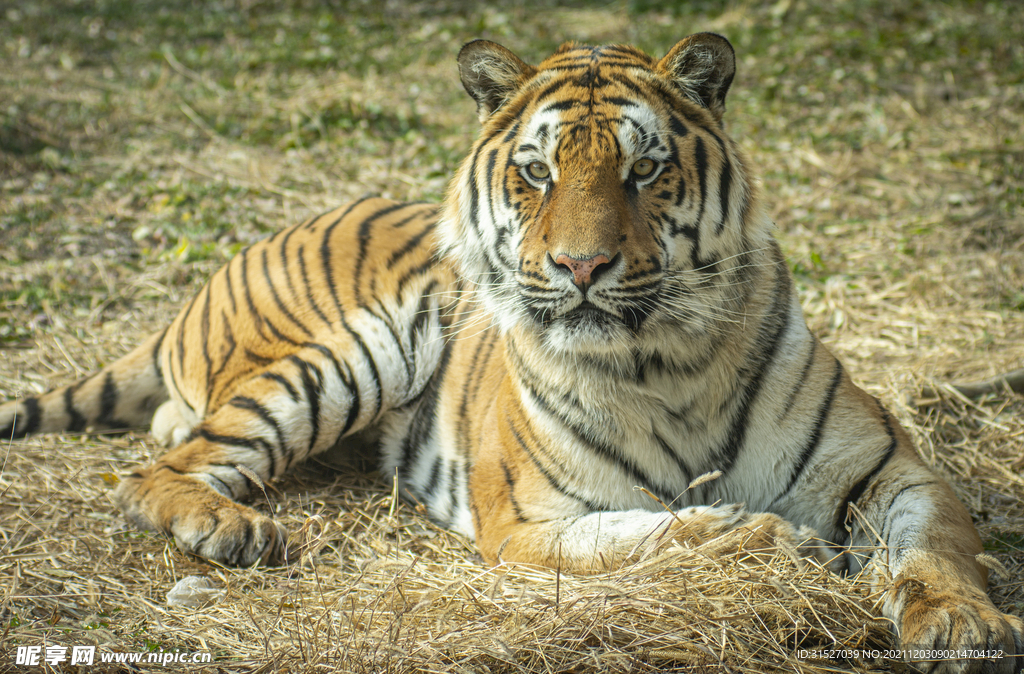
(530, 513)
(603, 541)
(298, 406)
(945, 621)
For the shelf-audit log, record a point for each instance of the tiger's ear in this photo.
(491, 74)
(702, 65)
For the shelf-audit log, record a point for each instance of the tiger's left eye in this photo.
(643, 167)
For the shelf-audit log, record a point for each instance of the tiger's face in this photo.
(603, 207)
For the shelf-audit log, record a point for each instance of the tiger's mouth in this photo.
(587, 315)
(589, 318)
(584, 313)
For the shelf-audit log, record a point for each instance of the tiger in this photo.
(593, 345)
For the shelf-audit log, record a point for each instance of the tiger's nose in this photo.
(584, 272)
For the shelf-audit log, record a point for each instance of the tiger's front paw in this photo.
(731, 530)
(770, 532)
(202, 521)
(938, 627)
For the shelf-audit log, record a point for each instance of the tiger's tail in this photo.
(121, 396)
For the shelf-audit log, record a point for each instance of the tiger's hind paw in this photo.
(233, 535)
(202, 521)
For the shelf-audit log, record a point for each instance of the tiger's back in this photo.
(361, 280)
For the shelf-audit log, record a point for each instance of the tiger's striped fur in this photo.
(599, 305)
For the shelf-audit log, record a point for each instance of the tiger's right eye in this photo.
(538, 170)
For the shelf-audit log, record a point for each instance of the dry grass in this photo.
(381, 589)
(899, 194)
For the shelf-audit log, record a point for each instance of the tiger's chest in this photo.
(619, 435)
(617, 442)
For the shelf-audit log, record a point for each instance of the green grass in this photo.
(117, 114)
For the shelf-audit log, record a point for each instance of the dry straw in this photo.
(379, 588)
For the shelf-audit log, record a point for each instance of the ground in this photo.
(143, 143)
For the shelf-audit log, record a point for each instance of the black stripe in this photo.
(502, 232)
(745, 199)
(557, 486)
(273, 376)
(724, 186)
(587, 439)
(892, 502)
(204, 327)
(514, 129)
(227, 487)
(776, 321)
(843, 511)
(677, 127)
(231, 288)
(803, 380)
(421, 319)
(221, 439)
(77, 420)
(422, 426)
(476, 366)
(325, 256)
(631, 85)
(724, 195)
(278, 335)
(108, 401)
(257, 358)
(348, 380)
(511, 492)
(411, 244)
(815, 439)
(312, 390)
(364, 242)
(31, 419)
(277, 298)
(624, 102)
(474, 192)
(432, 482)
(174, 383)
(550, 90)
(413, 273)
(286, 265)
(180, 342)
(407, 356)
(682, 465)
(227, 339)
(564, 104)
(155, 355)
(454, 490)
(700, 160)
(254, 313)
(301, 254)
(348, 209)
(250, 404)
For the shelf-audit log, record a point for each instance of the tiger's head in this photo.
(603, 206)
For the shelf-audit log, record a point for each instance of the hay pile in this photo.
(380, 589)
